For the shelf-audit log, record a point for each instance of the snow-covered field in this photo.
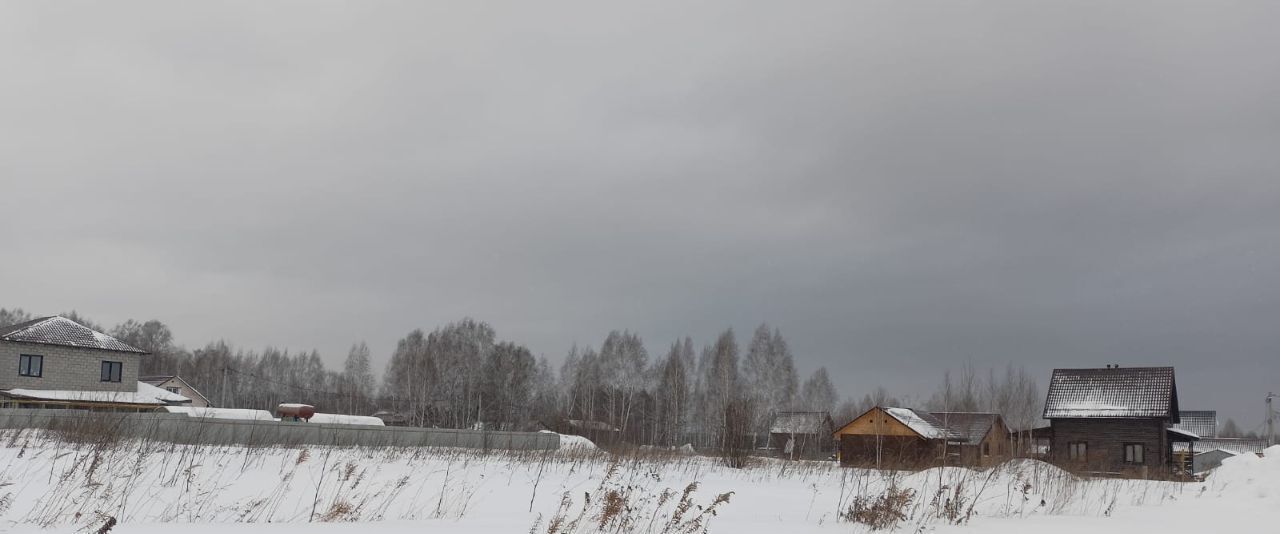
(53, 486)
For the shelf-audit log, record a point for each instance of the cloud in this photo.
(899, 188)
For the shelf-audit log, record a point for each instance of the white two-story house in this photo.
(54, 362)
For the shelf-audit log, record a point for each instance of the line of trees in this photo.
(462, 375)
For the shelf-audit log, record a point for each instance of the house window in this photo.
(171, 389)
(1078, 450)
(31, 365)
(986, 449)
(1134, 453)
(111, 371)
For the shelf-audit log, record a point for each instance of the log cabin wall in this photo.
(1105, 440)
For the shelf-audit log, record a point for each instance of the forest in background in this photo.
(462, 375)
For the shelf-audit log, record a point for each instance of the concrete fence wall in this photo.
(180, 428)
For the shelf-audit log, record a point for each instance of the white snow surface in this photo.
(920, 426)
(576, 443)
(342, 419)
(146, 394)
(222, 413)
(53, 486)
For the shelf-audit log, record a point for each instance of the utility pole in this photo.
(223, 402)
(1271, 419)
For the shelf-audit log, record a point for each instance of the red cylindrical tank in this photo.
(296, 411)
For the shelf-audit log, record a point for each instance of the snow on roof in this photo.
(161, 393)
(1203, 423)
(146, 394)
(1190, 435)
(801, 423)
(342, 419)
(1112, 392)
(61, 331)
(1231, 445)
(972, 427)
(222, 413)
(921, 423)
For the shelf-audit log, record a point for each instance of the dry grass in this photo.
(640, 491)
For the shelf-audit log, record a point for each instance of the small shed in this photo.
(802, 435)
(894, 438)
(1215, 450)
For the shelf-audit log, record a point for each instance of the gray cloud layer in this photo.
(899, 188)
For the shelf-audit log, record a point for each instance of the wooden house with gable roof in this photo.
(909, 438)
(893, 437)
(1115, 420)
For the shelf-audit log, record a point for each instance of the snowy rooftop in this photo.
(64, 332)
(801, 423)
(222, 413)
(970, 426)
(1231, 445)
(1112, 392)
(146, 394)
(922, 423)
(1203, 423)
(342, 419)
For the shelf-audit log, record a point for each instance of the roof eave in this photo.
(139, 352)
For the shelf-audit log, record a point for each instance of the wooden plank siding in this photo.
(997, 445)
(876, 439)
(1105, 440)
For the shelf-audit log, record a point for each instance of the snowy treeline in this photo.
(462, 374)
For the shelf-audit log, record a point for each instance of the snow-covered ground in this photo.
(49, 486)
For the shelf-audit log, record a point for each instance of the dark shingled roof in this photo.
(971, 427)
(1232, 445)
(155, 380)
(801, 423)
(63, 332)
(1203, 423)
(1112, 392)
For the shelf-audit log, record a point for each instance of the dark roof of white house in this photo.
(1203, 423)
(1113, 392)
(801, 423)
(64, 332)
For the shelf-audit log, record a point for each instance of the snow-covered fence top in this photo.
(182, 428)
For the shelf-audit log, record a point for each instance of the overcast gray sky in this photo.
(898, 186)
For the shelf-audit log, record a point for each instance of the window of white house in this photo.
(1078, 450)
(111, 371)
(171, 389)
(31, 365)
(1134, 453)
